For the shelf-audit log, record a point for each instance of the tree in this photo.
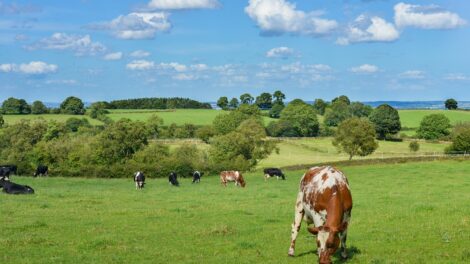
(73, 124)
(320, 106)
(15, 106)
(460, 138)
(38, 108)
(264, 101)
(275, 111)
(341, 98)
(279, 97)
(302, 117)
(246, 98)
(98, 110)
(222, 102)
(386, 120)
(355, 136)
(227, 122)
(233, 103)
(413, 146)
(451, 104)
(434, 126)
(282, 128)
(73, 106)
(154, 124)
(205, 133)
(336, 113)
(359, 109)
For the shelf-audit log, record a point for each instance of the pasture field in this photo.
(411, 119)
(403, 213)
(12, 119)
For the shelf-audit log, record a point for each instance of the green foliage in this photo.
(341, 98)
(73, 123)
(15, 106)
(355, 136)
(460, 138)
(98, 110)
(451, 104)
(386, 120)
(73, 106)
(227, 122)
(223, 102)
(154, 125)
(157, 103)
(2, 121)
(320, 106)
(359, 109)
(233, 103)
(282, 128)
(336, 113)
(205, 133)
(302, 117)
(246, 98)
(38, 108)
(264, 101)
(279, 97)
(413, 146)
(434, 126)
(276, 110)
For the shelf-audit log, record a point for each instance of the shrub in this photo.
(413, 146)
(205, 133)
(460, 138)
(433, 127)
(73, 123)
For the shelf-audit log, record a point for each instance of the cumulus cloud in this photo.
(365, 68)
(369, 29)
(452, 77)
(281, 16)
(280, 52)
(140, 54)
(113, 56)
(136, 25)
(32, 68)
(182, 4)
(413, 74)
(426, 17)
(140, 65)
(80, 45)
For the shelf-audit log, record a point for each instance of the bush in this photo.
(386, 120)
(227, 122)
(434, 127)
(2, 121)
(413, 146)
(205, 133)
(72, 106)
(276, 110)
(355, 136)
(73, 123)
(282, 128)
(460, 138)
(302, 117)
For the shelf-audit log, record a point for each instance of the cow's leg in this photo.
(136, 185)
(342, 236)
(298, 215)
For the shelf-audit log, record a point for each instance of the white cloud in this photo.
(113, 56)
(365, 68)
(451, 77)
(426, 17)
(199, 67)
(185, 77)
(62, 82)
(172, 66)
(32, 68)
(81, 45)
(281, 16)
(369, 29)
(280, 52)
(140, 65)
(413, 74)
(182, 4)
(137, 25)
(140, 54)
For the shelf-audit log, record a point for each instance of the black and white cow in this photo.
(271, 172)
(13, 188)
(41, 170)
(139, 179)
(5, 173)
(173, 179)
(197, 176)
(8, 169)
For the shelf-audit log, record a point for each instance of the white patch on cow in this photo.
(319, 218)
(322, 238)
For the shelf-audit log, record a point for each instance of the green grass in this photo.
(403, 213)
(412, 118)
(12, 119)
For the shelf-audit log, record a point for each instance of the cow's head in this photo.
(241, 181)
(327, 242)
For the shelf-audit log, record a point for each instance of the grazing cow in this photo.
(13, 188)
(324, 199)
(232, 176)
(271, 172)
(41, 170)
(197, 176)
(173, 179)
(11, 168)
(139, 179)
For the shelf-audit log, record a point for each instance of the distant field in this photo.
(403, 213)
(11, 119)
(412, 118)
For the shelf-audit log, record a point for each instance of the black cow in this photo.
(5, 172)
(271, 172)
(173, 179)
(41, 170)
(10, 169)
(197, 176)
(139, 179)
(13, 188)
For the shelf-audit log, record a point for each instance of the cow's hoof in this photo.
(291, 252)
(344, 255)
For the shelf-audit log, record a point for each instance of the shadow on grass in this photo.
(352, 251)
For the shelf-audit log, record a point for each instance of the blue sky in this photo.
(204, 49)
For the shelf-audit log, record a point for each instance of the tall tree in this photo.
(342, 98)
(264, 101)
(434, 126)
(222, 102)
(302, 117)
(451, 104)
(355, 136)
(320, 106)
(38, 108)
(246, 98)
(337, 113)
(15, 106)
(386, 120)
(279, 97)
(233, 103)
(72, 105)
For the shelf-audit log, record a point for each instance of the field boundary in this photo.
(393, 160)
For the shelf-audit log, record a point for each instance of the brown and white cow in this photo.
(324, 199)
(232, 176)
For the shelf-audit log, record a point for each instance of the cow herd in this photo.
(324, 200)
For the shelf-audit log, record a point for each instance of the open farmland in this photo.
(410, 119)
(403, 213)
(12, 119)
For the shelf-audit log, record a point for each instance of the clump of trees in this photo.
(356, 137)
(157, 103)
(14, 106)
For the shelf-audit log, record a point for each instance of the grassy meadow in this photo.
(12, 119)
(403, 213)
